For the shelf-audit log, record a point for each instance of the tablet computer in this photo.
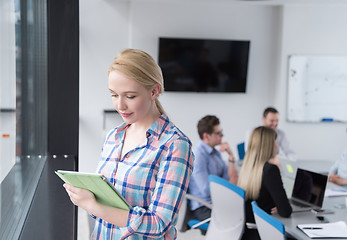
(99, 185)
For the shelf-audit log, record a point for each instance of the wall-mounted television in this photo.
(204, 65)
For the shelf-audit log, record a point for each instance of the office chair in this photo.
(228, 210)
(268, 226)
(187, 220)
(241, 150)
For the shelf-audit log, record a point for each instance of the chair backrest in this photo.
(184, 216)
(268, 226)
(228, 210)
(241, 150)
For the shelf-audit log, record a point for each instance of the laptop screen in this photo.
(309, 187)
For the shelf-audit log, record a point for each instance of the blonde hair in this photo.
(141, 67)
(261, 148)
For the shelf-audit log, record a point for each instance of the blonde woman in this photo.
(147, 158)
(261, 179)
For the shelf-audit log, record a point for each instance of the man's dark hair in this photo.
(269, 110)
(206, 125)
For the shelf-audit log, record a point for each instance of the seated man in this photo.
(338, 172)
(208, 161)
(270, 119)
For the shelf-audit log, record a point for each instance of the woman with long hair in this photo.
(261, 179)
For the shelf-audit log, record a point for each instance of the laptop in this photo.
(308, 191)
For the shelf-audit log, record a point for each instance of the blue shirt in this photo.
(153, 178)
(208, 161)
(340, 166)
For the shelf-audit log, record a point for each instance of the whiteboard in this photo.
(317, 89)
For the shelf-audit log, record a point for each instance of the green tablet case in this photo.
(103, 190)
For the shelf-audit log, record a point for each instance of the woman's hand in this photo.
(86, 200)
(274, 210)
(80, 197)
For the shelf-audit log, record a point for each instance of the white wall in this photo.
(317, 29)
(107, 27)
(219, 21)
(103, 33)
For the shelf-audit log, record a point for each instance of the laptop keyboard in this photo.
(299, 204)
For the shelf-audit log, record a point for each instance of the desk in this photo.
(309, 217)
(315, 166)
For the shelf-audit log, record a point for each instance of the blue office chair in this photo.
(188, 221)
(228, 210)
(241, 150)
(268, 226)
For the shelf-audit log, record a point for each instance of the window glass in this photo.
(31, 103)
(23, 81)
(23, 108)
(7, 87)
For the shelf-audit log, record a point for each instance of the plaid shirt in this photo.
(153, 178)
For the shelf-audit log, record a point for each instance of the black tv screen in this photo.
(204, 65)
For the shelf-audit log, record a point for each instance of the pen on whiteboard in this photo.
(312, 228)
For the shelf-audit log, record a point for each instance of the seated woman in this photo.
(338, 172)
(262, 179)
